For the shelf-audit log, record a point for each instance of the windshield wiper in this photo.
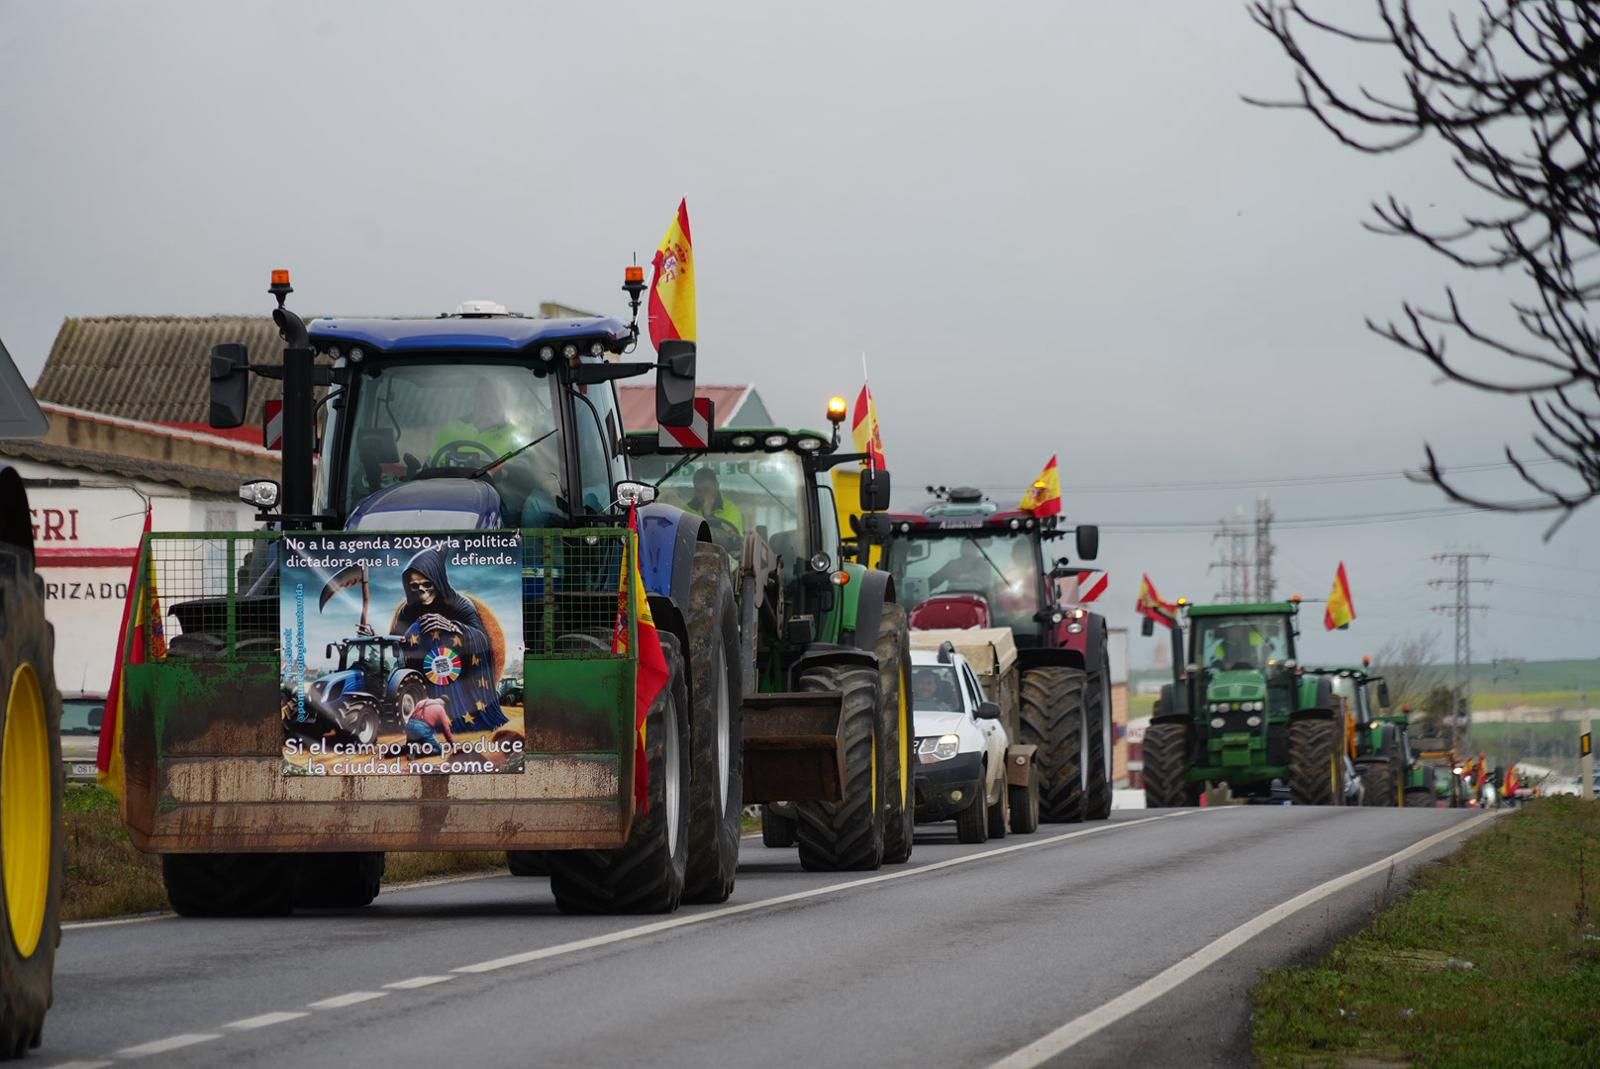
(493, 464)
(990, 559)
(675, 468)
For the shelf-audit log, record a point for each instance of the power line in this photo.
(1296, 522)
(1264, 482)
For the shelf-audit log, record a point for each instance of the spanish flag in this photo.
(653, 674)
(1341, 609)
(1151, 606)
(672, 286)
(864, 427)
(1044, 496)
(108, 759)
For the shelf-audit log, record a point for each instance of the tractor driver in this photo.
(727, 522)
(529, 481)
(1239, 646)
(967, 572)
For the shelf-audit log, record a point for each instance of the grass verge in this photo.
(107, 877)
(1517, 902)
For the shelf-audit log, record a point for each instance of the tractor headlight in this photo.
(1252, 721)
(775, 441)
(744, 441)
(1218, 723)
(1015, 524)
(938, 748)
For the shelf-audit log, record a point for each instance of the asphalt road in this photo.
(1098, 942)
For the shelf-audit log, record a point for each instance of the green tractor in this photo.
(825, 647)
(1240, 711)
(1378, 742)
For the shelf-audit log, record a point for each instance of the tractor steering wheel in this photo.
(461, 448)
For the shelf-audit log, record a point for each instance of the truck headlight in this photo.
(938, 748)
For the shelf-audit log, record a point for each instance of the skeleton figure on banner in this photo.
(455, 640)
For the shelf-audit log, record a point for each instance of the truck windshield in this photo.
(1251, 642)
(451, 415)
(1002, 569)
(935, 689)
(738, 493)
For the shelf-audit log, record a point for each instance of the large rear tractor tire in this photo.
(646, 874)
(1420, 798)
(1314, 762)
(1097, 806)
(1053, 719)
(231, 885)
(1378, 784)
(777, 830)
(894, 693)
(848, 835)
(338, 881)
(31, 789)
(1166, 766)
(716, 785)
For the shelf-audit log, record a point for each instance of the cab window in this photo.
(828, 517)
(597, 446)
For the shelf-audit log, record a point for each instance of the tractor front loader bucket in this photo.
(794, 747)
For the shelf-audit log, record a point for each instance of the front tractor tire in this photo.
(893, 649)
(1054, 719)
(716, 784)
(1166, 766)
(31, 789)
(847, 835)
(646, 874)
(1314, 762)
(1097, 804)
(1378, 784)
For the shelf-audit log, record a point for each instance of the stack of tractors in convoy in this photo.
(31, 777)
(204, 750)
(823, 639)
(1240, 710)
(1377, 743)
(963, 563)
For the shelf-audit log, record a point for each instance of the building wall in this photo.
(87, 539)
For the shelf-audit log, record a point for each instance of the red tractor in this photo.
(962, 562)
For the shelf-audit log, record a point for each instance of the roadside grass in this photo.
(1141, 705)
(1520, 901)
(107, 877)
(1532, 699)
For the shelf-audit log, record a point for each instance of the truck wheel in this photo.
(31, 788)
(997, 814)
(972, 823)
(716, 782)
(1314, 764)
(1053, 719)
(644, 875)
(777, 830)
(338, 881)
(894, 691)
(230, 885)
(527, 863)
(1419, 798)
(1166, 766)
(1025, 806)
(1097, 805)
(847, 834)
(1378, 784)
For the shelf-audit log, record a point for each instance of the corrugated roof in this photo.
(159, 471)
(151, 368)
(639, 404)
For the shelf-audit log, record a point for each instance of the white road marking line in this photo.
(441, 881)
(78, 1065)
(338, 1002)
(266, 1019)
(139, 919)
(1081, 1028)
(560, 949)
(418, 981)
(162, 1046)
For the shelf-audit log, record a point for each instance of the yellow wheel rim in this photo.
(25, 776)
(1333, 780)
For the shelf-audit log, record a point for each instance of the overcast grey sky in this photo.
(1052, 228)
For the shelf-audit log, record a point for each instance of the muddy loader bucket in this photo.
(794, 747)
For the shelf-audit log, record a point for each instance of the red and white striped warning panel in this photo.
(1084, 587)
(697, 435)
(272, 426)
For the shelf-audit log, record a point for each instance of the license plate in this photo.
(83, 770)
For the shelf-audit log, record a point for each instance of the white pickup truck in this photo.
(967, 769)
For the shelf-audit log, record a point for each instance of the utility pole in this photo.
(1264, 549)
(1234, 559)
(1462, 610)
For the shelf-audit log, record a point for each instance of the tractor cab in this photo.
(961, 562)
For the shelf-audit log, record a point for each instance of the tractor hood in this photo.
(429, 505)
(1236, 686)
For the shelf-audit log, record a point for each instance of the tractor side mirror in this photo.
(874, 490)
(1147, 627)
(1088, 537)
(987, 711)
(875, 525)
(1383, 693)
(675, 384)
(328, 653)
(230, 384)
